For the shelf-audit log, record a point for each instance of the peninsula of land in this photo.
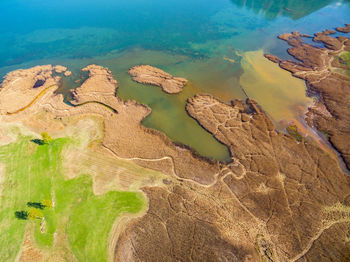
(325, 72)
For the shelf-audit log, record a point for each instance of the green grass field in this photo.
(345, 57)
(79, 222)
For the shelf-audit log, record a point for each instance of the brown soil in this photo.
(29, 252)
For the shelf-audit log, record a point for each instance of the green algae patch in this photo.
(78, 223)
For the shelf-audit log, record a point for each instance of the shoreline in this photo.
(315, 66)
(239, 209)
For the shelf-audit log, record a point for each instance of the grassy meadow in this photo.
(79, 222)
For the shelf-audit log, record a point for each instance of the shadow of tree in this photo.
(39, 142)
(22, 215)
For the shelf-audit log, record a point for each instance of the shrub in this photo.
(46, 137)
(35, 214)
(46, 203)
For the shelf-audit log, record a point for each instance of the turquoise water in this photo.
(204, 41)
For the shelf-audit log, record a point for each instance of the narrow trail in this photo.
(172, 167)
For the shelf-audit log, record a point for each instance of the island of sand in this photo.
(280, 198)
(146, 74)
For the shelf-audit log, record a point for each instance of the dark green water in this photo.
(214, 44)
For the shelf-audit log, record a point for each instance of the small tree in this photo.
(46, 137)
(47, 203)
(35, 214)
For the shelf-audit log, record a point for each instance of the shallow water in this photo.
(216, 45)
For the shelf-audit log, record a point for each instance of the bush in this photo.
(46, 137)
(35, 214)
(46, 203)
